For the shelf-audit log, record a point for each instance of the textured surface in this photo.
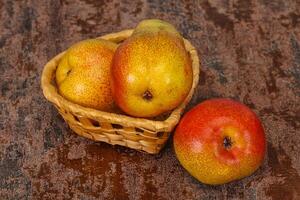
(250, 52)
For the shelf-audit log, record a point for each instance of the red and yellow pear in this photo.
(151, 70)
(83, 74)
(219, 141)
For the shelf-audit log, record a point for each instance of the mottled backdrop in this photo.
(250, 51)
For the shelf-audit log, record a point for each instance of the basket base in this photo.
(137, 145)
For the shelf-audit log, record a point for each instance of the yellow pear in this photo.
(151, 70)
(83, 74)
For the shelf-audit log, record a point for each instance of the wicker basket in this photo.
(136, 133)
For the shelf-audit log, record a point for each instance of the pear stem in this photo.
(227, 142)
(147, 95)
(68, 72)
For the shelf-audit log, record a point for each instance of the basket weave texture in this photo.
(136, 133)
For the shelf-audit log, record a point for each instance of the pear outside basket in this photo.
(136, 133)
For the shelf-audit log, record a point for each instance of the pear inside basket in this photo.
(148, 135)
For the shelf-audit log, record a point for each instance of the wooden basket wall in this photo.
(136, 133)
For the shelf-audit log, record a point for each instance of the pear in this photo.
(220, 141)
(83, 74)
(155, 26)
(151, 71)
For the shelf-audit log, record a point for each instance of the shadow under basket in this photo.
(136, 133)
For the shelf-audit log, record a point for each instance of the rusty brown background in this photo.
(250, 51)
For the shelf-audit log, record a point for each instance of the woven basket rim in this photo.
(52, 95)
